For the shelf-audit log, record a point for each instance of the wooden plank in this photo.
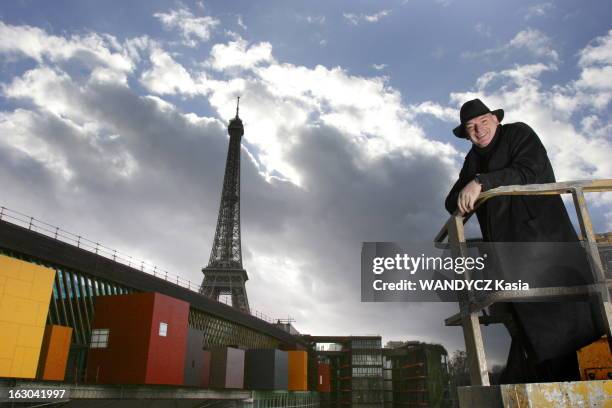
(479, 374)
(603, 294)
(534, 189)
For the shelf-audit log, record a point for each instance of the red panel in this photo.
(135, 353)
(124, 361)
(167, 353)
(323, 372)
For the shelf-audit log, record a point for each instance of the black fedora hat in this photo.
(472, 109)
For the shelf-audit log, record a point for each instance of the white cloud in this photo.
(166, 76)
(539, 10)
(93, 50)
(577, 152)
(121, 168)
(599, 51)
(193, 29)
(355, 19)
(314, 19)
(444, 3)
(571, 118)
(596, 63)
(441, 112)
(533, 41)
(286, 99)
(47, 88)
(379, 67)
(238, 54)
(330, 160)
(240, 22)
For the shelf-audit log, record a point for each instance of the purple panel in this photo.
(227, 368)
(234, 374)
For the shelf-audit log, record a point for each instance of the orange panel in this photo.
(54, 353)
(595, 360)
(298, 371)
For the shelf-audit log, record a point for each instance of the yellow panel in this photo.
(8, 339)
(43, 311)
(28, 274)
(26, 312)
(4, 264)
(30, 361)
(24, 302)
(17, 362)
(8, 308)
(43, 284)
(17, 287)
(10, 267)
(30, 336)
(5, 366)
(595, 360)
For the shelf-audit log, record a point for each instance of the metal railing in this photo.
(470, 306)
(55, 232)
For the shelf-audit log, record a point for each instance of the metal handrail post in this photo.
(479, 373)
(604, 304)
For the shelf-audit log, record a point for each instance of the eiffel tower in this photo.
(224, 274)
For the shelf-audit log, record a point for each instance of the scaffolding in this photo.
(471, 304)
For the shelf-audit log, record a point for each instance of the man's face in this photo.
(481, 129)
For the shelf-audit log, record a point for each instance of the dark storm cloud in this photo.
(139, 175)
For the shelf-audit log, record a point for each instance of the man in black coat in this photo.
(512, 154)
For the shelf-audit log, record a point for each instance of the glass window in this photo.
(76, 285)
(163, 329)
(61, 283)
(99, 338)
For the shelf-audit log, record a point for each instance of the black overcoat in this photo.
(516, 156)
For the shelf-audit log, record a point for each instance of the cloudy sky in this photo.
(113, 123)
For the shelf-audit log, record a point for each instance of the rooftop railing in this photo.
(55, 232)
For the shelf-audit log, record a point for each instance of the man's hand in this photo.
(467, 197)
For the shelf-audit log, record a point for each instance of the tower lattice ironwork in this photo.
(224, 274)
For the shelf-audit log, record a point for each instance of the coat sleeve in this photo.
(528, 160)
(451, 199)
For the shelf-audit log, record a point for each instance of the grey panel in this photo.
(194, 358)
(266, 369)
(227, 368)
(234, 375)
